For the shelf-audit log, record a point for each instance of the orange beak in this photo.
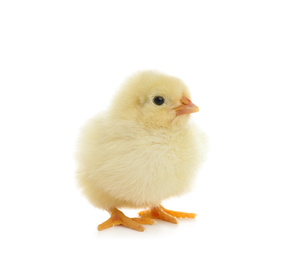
(187, 107)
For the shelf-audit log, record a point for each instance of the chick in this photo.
(142, 150)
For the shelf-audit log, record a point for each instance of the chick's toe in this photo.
(161, 213)
(118, 218)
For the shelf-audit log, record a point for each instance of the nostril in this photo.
(185, 101)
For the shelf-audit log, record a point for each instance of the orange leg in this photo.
(165, 214)
(118, 218)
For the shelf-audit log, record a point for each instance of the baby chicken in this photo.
(140, 151)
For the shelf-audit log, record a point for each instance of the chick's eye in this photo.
(158, 100)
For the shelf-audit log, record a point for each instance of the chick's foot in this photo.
(165, 214)
(118, 218)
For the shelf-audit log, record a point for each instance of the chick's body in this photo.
(124, 164)
(137, 153)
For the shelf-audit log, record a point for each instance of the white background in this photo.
(61, 62)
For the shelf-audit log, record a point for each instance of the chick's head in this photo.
(153, 99)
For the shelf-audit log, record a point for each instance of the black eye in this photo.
(158, 100)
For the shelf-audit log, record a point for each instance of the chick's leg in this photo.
(118, 218)
(160, 212)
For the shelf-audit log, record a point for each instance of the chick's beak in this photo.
(187, 107)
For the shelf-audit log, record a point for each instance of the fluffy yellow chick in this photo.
(141, 151)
